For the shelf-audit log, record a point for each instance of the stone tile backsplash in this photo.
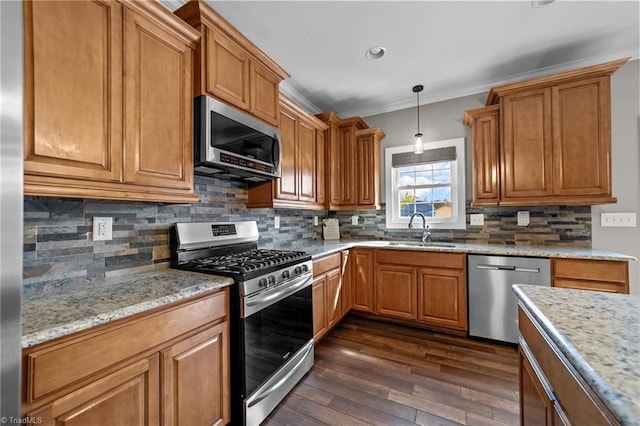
(58, 245)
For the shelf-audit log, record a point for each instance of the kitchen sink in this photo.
(420, 244)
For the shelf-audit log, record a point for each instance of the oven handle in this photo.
(254, 305)
(282, 381)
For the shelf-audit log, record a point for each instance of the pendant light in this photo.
(418, 147)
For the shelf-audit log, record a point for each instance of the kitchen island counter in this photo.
(599, 335)
(55, 310)
(321, 248)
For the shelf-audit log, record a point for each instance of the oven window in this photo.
(274, 334)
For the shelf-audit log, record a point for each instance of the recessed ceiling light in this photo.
(541, 3)
(375, 52)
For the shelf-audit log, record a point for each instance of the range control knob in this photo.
(297, 270)
(286, 275)
(272, 280)
(305, 268)
(262, 283)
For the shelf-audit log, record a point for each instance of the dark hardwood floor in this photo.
(372, 372)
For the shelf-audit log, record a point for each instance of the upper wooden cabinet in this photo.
(353, 163)
(298, 182)
(230, 67)
(108, 101)
(548, 140)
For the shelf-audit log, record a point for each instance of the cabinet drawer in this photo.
(581, 405)
(326, 263)
(593, 270)
(421, 258)
(57, 366)
(606, 286)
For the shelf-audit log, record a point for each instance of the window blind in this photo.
(428, 156)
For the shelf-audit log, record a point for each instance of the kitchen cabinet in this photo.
(427, 288)
(551, 391)
(347, 279)
(170, 364)
(353, 163)
(229, 67)
(362, 284)
(484, 123)
(297, 184)
(600, 275)
(108, 105)
(553, 142)
(327, 294)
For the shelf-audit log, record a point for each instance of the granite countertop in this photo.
(73, 305)
(321, 248)
(599, 334)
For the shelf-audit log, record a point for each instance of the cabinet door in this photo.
(527, 169)
(367, 169)
(582, 138)
(196, 388)
(396, 291)
(265, 93)
(73, 89)
(346, 293)
(287, 184)
(484, 149)
(129, 396)
(333, 303)
(442, 297)
(319, 295)
(362, 284)
(227, 69)
(158, 106)
(343, 152)
(536, 406)
(307, 161)
(321, 167)
(600, 275)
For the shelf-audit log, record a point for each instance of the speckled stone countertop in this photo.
(74, 305)
(599, 334)
(322, 248)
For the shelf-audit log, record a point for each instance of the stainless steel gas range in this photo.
(271, 311)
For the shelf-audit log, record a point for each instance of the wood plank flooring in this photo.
(370, 372)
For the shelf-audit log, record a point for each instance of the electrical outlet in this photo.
(523, 218)
(102, 228)
(618, 219)
(476, 219)
(315, 221)
(354, 220)
(276, 222)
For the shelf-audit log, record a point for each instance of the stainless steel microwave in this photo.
(231, 144)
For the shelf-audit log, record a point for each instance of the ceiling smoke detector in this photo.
(541, 3)
(375, 52)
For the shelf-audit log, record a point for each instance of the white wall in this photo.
(625, 158)
(443, 120)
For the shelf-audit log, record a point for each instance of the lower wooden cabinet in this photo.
(362, 289)
(428, 288)
(128, 396)
(329, 286)
(170, 366)
(602, 275)
(552, 392)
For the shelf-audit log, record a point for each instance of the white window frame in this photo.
(458, 196)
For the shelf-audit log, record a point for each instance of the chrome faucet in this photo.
(425, 228)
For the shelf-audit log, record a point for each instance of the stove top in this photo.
(246, 262)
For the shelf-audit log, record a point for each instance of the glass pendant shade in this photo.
(418, 147)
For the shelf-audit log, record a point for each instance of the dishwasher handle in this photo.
(509, 268)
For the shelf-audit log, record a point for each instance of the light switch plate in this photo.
(523, 218)
(476, 219)
(315, 221)
(618, 219)
(354, 220)
(276, 222)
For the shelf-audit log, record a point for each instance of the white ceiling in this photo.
(453, 48)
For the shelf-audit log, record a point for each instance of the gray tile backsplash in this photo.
(57, 242)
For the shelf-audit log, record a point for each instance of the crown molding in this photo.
(298, 98)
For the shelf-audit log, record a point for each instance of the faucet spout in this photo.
(425, 228)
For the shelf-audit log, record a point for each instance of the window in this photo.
(431, 183)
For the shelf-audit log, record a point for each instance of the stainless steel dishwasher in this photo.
(493, 308)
